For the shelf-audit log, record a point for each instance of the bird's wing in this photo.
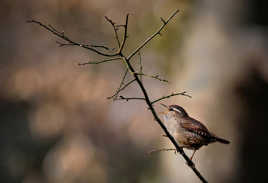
(195, 126)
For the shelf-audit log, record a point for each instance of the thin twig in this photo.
(141, 68)
(153, 76)
(64, 37)
(54, 29)
(122, 82)
(99, 62)
(115, 30)
(91, 45)
(171, 95)
(119, 26)
(98, 46)
(123, 44)
(125, 36)
(122, 88)
(123, 79)
(152, 36)
(129, 98)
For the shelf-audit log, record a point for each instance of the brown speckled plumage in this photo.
(189, 132)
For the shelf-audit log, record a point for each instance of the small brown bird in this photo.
(188, 132)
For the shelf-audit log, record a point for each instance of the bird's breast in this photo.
(171, 123)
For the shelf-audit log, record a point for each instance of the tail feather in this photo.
(221, 140)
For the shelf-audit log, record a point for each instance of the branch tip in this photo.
(184, 93)
(62, 35)
(99, 62)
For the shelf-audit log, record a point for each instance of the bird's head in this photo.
(177, 109)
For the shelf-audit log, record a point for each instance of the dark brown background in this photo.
(58, 126)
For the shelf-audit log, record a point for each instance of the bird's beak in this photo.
(165, 105)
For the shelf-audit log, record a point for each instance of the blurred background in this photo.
(57, 125)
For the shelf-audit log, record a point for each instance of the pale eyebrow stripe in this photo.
(175, 109)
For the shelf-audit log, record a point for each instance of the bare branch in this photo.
(121, 84)
(129, 98)
(121, 89)
(98, 46)
(123, 44)
(123, 79)
(115, 27)
(153, 76)
(91, 45)
(100, 62)
(171, 95)
(141, 68)
(62, 32)
(68, 40)
(152, 36)
(125, 36)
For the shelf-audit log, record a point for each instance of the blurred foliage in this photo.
(57, 126)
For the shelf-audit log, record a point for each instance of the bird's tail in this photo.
(221, 140)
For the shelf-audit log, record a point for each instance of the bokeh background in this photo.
(57, 125)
